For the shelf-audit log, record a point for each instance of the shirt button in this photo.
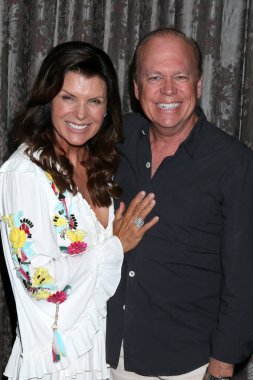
(124, 307)
(131, 273)
(148, 165)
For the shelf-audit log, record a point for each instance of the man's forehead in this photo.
(162, 50)
(165, 42)
(159, 50)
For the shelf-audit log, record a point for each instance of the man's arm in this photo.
(231, 341)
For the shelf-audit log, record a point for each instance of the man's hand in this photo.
(220, 369)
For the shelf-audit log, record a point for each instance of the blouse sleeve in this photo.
(47, 271)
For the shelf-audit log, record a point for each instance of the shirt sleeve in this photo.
(232, 339)
(31, 246)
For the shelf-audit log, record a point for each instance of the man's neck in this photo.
(165, 143)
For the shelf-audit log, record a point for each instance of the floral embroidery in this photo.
(76, 247)
(17, 238)
(42, 278)
(58, 297)
(66, 225)
(41, 284)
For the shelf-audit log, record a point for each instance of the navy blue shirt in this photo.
(186, 291)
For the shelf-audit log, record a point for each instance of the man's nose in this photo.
(168, 87)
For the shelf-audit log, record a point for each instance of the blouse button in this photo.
(148, 165)
(131, 273)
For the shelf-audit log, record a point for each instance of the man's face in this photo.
(167, 84)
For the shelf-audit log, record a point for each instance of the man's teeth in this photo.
(168, 106)
(75, 126)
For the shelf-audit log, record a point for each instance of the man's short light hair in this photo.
(163, 32)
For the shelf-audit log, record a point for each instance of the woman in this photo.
(62, 248)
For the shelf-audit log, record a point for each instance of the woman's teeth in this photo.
(75, 126)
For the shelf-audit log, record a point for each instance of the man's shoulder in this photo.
(216, 139)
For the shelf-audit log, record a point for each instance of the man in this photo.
(185, 300)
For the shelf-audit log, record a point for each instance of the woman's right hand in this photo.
(124, 223)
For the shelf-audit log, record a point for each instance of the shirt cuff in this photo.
(225, 349)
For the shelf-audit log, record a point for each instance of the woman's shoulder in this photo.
(19, 162)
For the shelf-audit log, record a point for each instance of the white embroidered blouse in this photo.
(63, 266)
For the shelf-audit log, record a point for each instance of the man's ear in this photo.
(136, 90)
(199, 88)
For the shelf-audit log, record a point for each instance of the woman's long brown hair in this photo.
(33, 125)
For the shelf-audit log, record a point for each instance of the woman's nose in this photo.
(80, 111)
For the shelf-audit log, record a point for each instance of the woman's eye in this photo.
(96, 101)
(66, 97)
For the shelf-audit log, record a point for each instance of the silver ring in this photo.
(139, 222)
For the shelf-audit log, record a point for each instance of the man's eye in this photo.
(181, 77)
(154, 78)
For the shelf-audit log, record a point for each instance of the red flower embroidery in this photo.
(54, 188)
(72, 222)
(58, 297)
(25, 228)
(76, 247)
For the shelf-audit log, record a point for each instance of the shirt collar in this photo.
(191, 142)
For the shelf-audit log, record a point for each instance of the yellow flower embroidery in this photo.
(50, 178)
(76, 235)
(9, 220)
(42, 294)
(17, 237)
(41, 276)
(60, 221)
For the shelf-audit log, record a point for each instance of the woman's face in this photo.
(77, 111)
